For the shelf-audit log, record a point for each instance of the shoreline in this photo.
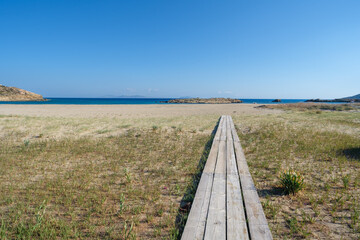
(131, 110)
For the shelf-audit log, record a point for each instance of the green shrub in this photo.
(291, 181)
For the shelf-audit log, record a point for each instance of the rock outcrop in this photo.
(205, 100)
(355, 97)
(344, 100)
(17, 94)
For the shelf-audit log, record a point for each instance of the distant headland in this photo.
(17, 94)
(204, 100)
(355, 98)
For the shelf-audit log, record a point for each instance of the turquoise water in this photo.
(112, 101)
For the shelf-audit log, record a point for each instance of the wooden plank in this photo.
(258, 226)
(218, 131)
(216, 220)
(236, 221)
(195, 225)
(260, 232)
(211, 161)
(247, 183)
(234, 133)
(223, 130)
(230, 157)
(221, 158)
(235, 218)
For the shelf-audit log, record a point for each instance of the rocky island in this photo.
(355, 98)
(205, 100)
(17, 94)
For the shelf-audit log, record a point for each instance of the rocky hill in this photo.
(353, 97)
(205, 100)
(17, 94)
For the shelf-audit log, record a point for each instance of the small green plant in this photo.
(355, 217)
(271, 209)
(122, 206)
(128, 231)
(127, 175)
(26, 142)
(307, 218)
(40, 212)
(345, 180)
(2, 230)
(154, 128)
(291, 181)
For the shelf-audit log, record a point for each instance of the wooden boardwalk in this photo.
(226, 204)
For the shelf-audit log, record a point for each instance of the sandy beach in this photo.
(132, 111)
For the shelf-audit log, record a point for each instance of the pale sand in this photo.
(133, 111)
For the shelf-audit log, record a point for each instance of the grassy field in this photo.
(126, 178)
(324, 146)
(66, 178)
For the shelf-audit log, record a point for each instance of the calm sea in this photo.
(110, 101)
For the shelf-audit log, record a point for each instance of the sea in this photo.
(113, 101)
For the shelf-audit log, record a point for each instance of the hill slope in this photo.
(17, 94)
(353, 97)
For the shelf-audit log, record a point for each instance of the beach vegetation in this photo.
(324, 149)
(125, 185)
(291, 181)
(130, 183)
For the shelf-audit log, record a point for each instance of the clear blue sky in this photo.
(245, 49)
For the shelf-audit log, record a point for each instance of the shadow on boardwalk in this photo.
(186, 201)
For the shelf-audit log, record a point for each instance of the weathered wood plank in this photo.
(195, 225)
(234, 133)
(216, 220)
(223, 130)
(230, 154)
(258, 226)
(236, 222)
(218, 130)
(211, 161)
(260, 232)
(221, 158)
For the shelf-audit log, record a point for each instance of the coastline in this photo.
(131, 111)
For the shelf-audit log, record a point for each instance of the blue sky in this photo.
(162, 48)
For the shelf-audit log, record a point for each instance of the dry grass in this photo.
(118, 187)
(315, 107)
(113, 178)
(329, 159)
(20, 128)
